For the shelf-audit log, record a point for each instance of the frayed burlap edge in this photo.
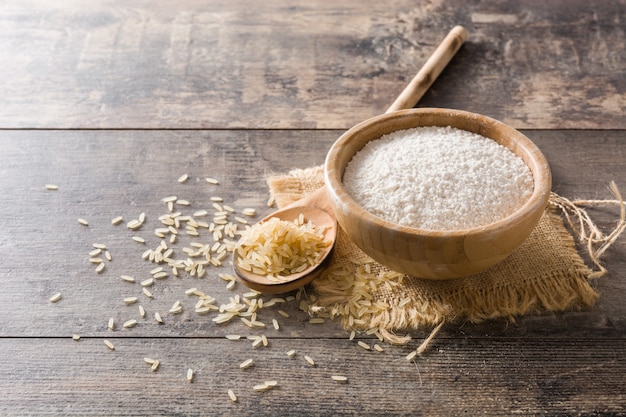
(565, 288)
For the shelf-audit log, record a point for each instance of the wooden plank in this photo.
(305, 64)
(103, 174)
(468, 375)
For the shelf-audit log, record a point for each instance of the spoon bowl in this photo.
(315, 207)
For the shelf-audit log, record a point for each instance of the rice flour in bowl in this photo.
(436, 193)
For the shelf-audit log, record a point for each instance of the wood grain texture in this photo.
(305, 64)
(460, 376)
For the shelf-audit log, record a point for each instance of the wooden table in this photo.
(114, 101)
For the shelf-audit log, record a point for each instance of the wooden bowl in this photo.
(435, 254)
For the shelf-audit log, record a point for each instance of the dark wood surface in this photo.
(114, 102)
(305, 64)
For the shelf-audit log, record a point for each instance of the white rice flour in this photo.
(438, 178)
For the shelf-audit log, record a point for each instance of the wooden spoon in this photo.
(316, 206)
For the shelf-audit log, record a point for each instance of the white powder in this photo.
(438, 178)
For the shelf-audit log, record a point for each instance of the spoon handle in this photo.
(427, 75)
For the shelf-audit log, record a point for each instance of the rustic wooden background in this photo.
(305, 64)
(113, 101)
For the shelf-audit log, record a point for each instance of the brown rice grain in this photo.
(129, 324)
(127, 278)
(147, 282)
(246, 364)
(364, 345)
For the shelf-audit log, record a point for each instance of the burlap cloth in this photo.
(546, 274)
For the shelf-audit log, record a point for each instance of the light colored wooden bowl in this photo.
(435, 254)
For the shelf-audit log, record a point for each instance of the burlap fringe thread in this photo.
(431, 304)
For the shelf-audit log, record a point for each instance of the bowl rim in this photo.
(333, 175)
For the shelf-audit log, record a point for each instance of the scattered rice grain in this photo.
(183, 178)
(55, 298)
(117, 220)
(110, 345)
(83, 222)
(246, 364)
(364, 345)
(128, 324)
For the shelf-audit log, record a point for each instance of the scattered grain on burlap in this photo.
(546, 274)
